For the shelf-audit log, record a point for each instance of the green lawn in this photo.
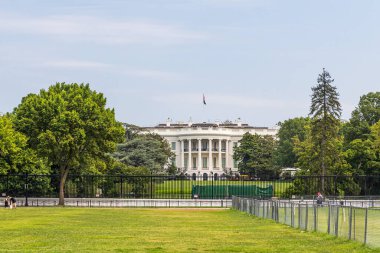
(156, 230)
(175, 188)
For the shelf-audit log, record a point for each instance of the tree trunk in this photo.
(63, 175)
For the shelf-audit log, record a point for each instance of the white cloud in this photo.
(125, 70)
(99, 30)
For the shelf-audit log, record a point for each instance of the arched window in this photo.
(205, 177)
(194, 177)
(216, 177)
(223, 177)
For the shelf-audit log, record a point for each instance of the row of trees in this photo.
(67, 128)
(320, 144)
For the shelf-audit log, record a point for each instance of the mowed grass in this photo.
(179, 187)
(155, 230)
(358, 222)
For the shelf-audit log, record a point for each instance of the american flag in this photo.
(204, 99)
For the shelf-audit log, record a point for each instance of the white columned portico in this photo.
(220, 154)
(199, 154)
(190, 160)
(210, 154)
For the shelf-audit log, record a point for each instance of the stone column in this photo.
(227, 155)
(182, 153)
(210, 154)
(190, 161)
(199, 154)
(220, 154)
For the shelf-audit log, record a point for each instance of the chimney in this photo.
(168, 121)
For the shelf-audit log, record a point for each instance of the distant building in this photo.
(206, 149)
(289, 171)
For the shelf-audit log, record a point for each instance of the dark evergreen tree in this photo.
(325, 112)
(150, 151)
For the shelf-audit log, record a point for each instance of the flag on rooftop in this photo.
(204, 99)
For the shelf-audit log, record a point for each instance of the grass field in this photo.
(156, 230)
(358, 222)
(171, 188)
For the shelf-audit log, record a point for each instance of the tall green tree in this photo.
(284, 154)
(365, 115)
(15, 156)
(358, 135)
(255, 154)
(324, 143)
(375, 138)
(145, 150)
(70, 125)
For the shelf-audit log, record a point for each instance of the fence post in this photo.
(350, 223)
(285, 204)
(121, 187)
(337, 222)
(26, 189)
(212, 184)
(328, 219)
(306, 216)
(365, 225)
(315, 217)
(299, 215)
(354, 224)
(292, 214)
(263, 210)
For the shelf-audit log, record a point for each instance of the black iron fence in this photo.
(187, 187)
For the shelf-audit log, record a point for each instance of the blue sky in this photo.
(256, 60)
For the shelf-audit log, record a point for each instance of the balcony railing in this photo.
(204, 149)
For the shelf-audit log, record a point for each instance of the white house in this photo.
(206, 149)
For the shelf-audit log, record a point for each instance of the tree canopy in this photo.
(360, 135)
(284, 154)
(365, 115)
(15, 156)
(255, 155)
(145, 150)
(70, 125)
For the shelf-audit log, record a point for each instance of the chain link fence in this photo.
(350, 222)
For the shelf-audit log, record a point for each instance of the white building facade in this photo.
(206, 149)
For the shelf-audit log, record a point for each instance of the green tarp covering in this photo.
(227, 191)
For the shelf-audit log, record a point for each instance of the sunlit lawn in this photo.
(172, 188)
(155, 230)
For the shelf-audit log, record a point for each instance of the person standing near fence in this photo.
(6, 202)
(319, 198)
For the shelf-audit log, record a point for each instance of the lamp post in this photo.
(26, 190)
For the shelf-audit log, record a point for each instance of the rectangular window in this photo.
(204, 160)
(174, 145)
(223, 162)
(204, 145)
(214, 162)
(235, 164)
(194, 162)
(186, 162)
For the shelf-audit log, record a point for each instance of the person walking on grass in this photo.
(12, 202)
